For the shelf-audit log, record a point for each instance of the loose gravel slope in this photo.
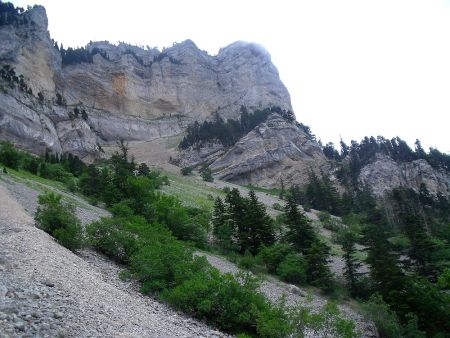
(46, 290)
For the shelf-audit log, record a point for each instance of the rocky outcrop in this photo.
(275, 151)
(127, 91)
(384, 174)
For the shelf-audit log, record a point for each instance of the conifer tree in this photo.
(257, 228)
(347, 241)
(223, 229)
(299, 233)
(318, 272)
(384, 264)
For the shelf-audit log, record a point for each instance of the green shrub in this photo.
(278, 206)
(9, 155)
(249, 262)
(231, 304)
(109, 237)
(327, 322)
(164, 263)
(186, 171)
(293, 269)
(169, 211)
(274, 322)
(206, 174)
(384, 318)
(58, 219)
(273, 255)
(31, 164)
(55, 171)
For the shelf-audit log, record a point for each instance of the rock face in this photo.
(384, 174)
(135, 94)
(275, 151)
(126, 91)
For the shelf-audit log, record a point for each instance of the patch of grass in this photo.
(44, 185)
(191, 191)
(270, 191)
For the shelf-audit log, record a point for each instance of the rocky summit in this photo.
(81, 100)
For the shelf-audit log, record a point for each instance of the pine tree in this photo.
(318, 272)
(223, 229)
(299, 233)
(347, 241)
(236, 208)
(384, 263)
(257, 228)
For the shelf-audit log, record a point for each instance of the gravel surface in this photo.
(47, 291)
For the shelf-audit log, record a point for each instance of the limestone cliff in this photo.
(127, 92)
(276, 150)
(384, 174)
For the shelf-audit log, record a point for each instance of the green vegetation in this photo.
(154, 235)
(10, 15)
(360, 154)
(58, 219)
(206, 174)
(229, 132)
(9, 76)
(416, 229)
(186, 171)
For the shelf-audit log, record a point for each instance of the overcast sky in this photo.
(353, 68)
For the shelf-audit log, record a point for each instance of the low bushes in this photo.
(58, 219)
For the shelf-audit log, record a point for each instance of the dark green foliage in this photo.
(143, 170)
(223, 227)
(58, 219)
(292, 269)
(415, 211)
(161, 56)
(164, 263)
(306, 129)
(9, 155)
(60, 100)
(330, 152)
(272, 256)
(384, 263)
(256, 229)
(31, 165)
(10, 15)
(321, 194)
(109, 236)
(73, 56)
(387, 321)
(347, 239)
(186, 171)
(242, 223)
(384, 318)
(300, 233)
(363, 153)
(229, 132)
(221, 299)
(276, 322)
(318, 273)
(54, 171)
(206, 174)
(169, 211)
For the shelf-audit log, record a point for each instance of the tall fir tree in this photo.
(257, 226)
(223, 229)
(300, 233)
(352, 275)
(318, 272)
